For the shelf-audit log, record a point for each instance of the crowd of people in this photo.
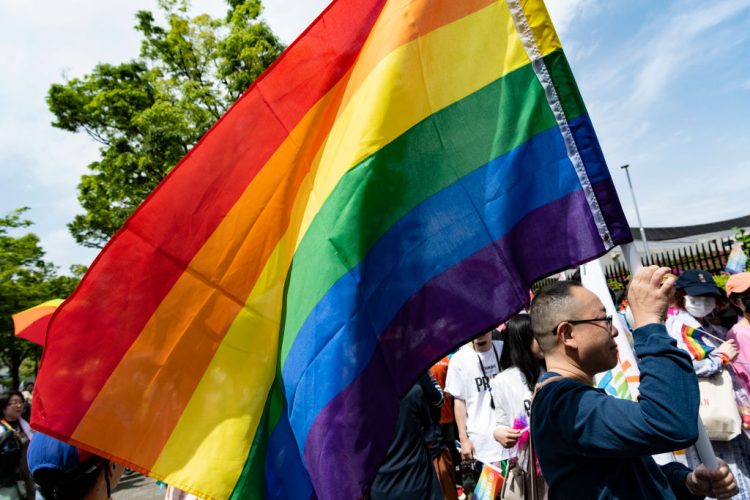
(525, 393)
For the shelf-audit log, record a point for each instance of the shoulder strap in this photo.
(538, 387)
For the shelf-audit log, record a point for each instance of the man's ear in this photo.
(565, 335)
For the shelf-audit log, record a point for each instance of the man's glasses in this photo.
(607, 320)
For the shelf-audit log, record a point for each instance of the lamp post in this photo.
(637, 213)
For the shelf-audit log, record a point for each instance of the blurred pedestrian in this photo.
(15, 434)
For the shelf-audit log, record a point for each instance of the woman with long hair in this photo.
(522, 364)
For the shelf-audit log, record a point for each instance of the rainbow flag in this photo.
(489, 483)
(695, 342)
(390, 187)
(32, 323)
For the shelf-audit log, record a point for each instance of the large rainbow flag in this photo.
(388, 189)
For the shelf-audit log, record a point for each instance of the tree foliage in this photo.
(26, 280)
(743, 237)
(148, 112)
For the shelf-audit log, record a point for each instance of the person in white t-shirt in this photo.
(469, 374)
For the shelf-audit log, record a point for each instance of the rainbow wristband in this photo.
(725, 361)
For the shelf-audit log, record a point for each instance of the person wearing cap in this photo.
(63, 472)
(738, 292)
(696, 297)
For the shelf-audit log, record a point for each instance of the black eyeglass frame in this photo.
(608, 318)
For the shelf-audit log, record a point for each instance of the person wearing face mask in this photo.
(696, 297)
(738, 291)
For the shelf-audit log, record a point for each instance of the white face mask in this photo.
(699, 307)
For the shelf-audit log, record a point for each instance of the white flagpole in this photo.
(703, 445)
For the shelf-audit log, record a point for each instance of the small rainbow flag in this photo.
(393, 185)
(695, 342)
(32, 323)
(489, 483)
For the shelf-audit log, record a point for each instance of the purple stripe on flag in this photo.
(350, 436)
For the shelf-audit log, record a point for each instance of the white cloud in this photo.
(563, 12)
(62, 250)
(643, 73)
(289, 17)
(676, 45)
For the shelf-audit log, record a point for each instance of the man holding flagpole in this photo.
(591, 445)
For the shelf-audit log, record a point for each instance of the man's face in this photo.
(595, 340)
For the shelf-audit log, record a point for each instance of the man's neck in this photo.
(569, 370)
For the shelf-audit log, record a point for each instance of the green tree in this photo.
(26, 280)
(148, 112)
(743, 237)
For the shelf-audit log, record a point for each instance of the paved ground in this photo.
(137, 487)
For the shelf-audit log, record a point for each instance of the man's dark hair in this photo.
(550, 305)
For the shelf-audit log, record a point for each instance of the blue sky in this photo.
(667, 85)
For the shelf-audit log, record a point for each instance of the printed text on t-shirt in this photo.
(482, 383)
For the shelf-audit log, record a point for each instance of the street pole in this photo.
(637, 213)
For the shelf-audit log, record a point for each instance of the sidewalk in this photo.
(137, 487)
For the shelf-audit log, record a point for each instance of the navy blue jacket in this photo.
(407, 471)
(592, 445)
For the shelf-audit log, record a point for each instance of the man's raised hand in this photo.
(648, 294)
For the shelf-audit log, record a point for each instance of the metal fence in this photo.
(711, 256)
